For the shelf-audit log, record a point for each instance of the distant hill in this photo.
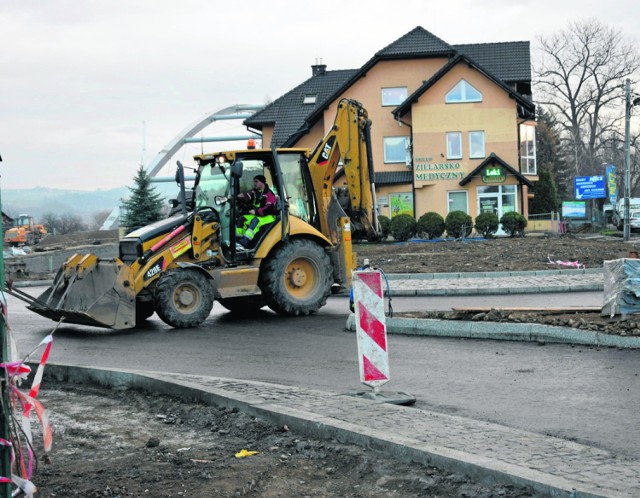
(40, 200)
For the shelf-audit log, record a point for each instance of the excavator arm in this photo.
(347, 144)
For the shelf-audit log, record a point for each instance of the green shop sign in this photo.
(493, 175)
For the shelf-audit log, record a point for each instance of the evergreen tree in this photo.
(545, 198)
(144, 206)
(549, 156)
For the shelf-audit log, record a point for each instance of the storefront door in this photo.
(497, 199)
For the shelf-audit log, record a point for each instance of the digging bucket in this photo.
(90, 291)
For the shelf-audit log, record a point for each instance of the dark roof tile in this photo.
(509, 61)
(505, 62)
(417, 42)
(289, 112)
(393, 177)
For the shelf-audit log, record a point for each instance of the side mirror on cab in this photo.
(236, 169)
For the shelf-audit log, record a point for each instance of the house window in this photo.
(395, 149)
(463, 92)
(454, 145)
(458, 201)
(528, 149)
(476, 144)
(309, 99)
(394, 96)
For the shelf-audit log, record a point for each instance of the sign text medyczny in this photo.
(428, 171)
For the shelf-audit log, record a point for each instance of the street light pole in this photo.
(627, 156)
(627, 161)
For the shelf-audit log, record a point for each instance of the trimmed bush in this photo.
(458, 223)
(403, 227)
(430, 224)
(385, 226)
(487, 224)
(514, 224)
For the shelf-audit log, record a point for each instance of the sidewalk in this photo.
(551, 466)
(515, 282)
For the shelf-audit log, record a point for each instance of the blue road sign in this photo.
(589, 187)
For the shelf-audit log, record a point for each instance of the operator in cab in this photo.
(260, 209)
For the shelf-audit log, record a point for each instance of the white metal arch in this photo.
(235, 112)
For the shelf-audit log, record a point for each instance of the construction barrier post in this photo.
(371, 329)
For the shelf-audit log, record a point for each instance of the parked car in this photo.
(634, 220)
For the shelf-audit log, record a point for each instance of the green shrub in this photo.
(403, 227)
(430, 224)
(458, 223)
(487, 224)
(385, 226)
(513, 223)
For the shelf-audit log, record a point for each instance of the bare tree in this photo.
(579, 78)
(51, 222)
(70, 223)
(99, 218)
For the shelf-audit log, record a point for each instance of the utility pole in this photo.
(5, 451)
(628, 104)
(627, 160)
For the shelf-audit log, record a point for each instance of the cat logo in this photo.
(326, 151)
(154, 270)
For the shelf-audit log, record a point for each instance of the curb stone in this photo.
(526, 332)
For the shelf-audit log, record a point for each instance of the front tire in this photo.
(183, 298)
(296, 279)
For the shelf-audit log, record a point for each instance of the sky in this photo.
(91, 89)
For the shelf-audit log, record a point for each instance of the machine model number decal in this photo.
(181, 247)
(154, 270)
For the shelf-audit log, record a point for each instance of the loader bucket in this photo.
(89, 291)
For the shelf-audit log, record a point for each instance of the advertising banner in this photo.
(589, 187)
(612, 186)
(574, 209)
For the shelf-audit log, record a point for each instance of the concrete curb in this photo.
(269, 401)
(527, 332)
(490, 274)
(472, 291)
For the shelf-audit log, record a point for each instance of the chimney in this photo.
(318, 68)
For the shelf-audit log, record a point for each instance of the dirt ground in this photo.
(123, 443)
(533, 252)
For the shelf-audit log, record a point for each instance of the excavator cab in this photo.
(221, 177)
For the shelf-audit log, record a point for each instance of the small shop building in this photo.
(453, 125)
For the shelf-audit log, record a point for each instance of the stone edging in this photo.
(527, 332)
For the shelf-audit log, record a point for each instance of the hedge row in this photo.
(457, 224)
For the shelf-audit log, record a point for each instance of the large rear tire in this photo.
(296, 279)
(244, 304)
(183, 298)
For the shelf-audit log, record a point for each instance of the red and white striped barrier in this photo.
(371, 329)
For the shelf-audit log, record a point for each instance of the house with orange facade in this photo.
(453, 125)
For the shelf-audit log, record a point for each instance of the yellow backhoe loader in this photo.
(177, 267)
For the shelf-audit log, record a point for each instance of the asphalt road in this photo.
(575, 392)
